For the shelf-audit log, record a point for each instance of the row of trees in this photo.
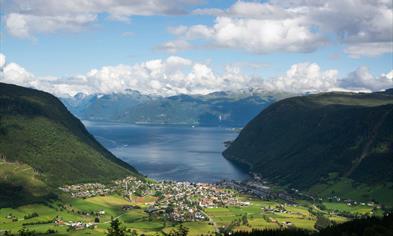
(371, 226)
(117, 230)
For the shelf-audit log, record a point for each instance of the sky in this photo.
(196, 46)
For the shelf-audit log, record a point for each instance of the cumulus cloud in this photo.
(362, 79)
(174, 46)
(308, 77)
(2, 60)
(25, 18)
(304, 77)
(177, 75)
(23, 26)
(173, 75)
(263, 36)
(363, 26)
(257, 35)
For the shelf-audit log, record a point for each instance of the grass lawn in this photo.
(195, 228)
(138, 219)
(299, 216)
(112, 205)
(222, 216)
(343, 207)
(345, 188)
(338, 219)
(45, 213)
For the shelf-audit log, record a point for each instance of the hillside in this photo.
(215, 109)
(39, 136)
(327, 143)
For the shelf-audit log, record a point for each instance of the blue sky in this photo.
(64, 48)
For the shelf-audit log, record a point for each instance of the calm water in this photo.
(170, 152)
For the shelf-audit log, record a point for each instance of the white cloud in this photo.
(175, 75)
(304, 77)
(364, 27)
(13, 73)
(357, 50)
(255, 10)
(198, 31)
(362, 79)
(308, 77)
(2, 60)
(22, 25)
(171, 76)
(264, 36)
(254, 35)
(25, 18)
(174, 46)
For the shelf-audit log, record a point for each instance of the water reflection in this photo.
(170, 152)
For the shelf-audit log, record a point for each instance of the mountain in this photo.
(215, 109)
(42, 146)
(104, 107)
(329, 143)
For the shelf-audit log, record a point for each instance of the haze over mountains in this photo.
(233, 109)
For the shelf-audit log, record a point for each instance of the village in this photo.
(173, 201)
(259, 188)
(187, 202)
(220, 206)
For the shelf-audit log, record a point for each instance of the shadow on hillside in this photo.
(16, 195)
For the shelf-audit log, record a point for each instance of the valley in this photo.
(153, 207)
(65, 178)
(196, 117)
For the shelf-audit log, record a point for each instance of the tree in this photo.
(244, 219)
(7, 233)
(182, 231)
(26, 232)
(115, 229)
(322, 222)
(134, 233)
(158, 194)
(169, 209)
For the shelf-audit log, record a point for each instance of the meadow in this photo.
(258, 214)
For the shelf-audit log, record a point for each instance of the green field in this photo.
(15, 174)
(81, 209)
(342, 207)
(259, 215)
(298, 216)
(346, 188)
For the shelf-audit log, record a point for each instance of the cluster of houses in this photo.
(183, 201)
(256, 187)
(276, 209)
(351, 202)
(87, 190)
(175, 201)
(75, 225)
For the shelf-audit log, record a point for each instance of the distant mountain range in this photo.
(43, 146)
(329, 144)
(232, 109)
